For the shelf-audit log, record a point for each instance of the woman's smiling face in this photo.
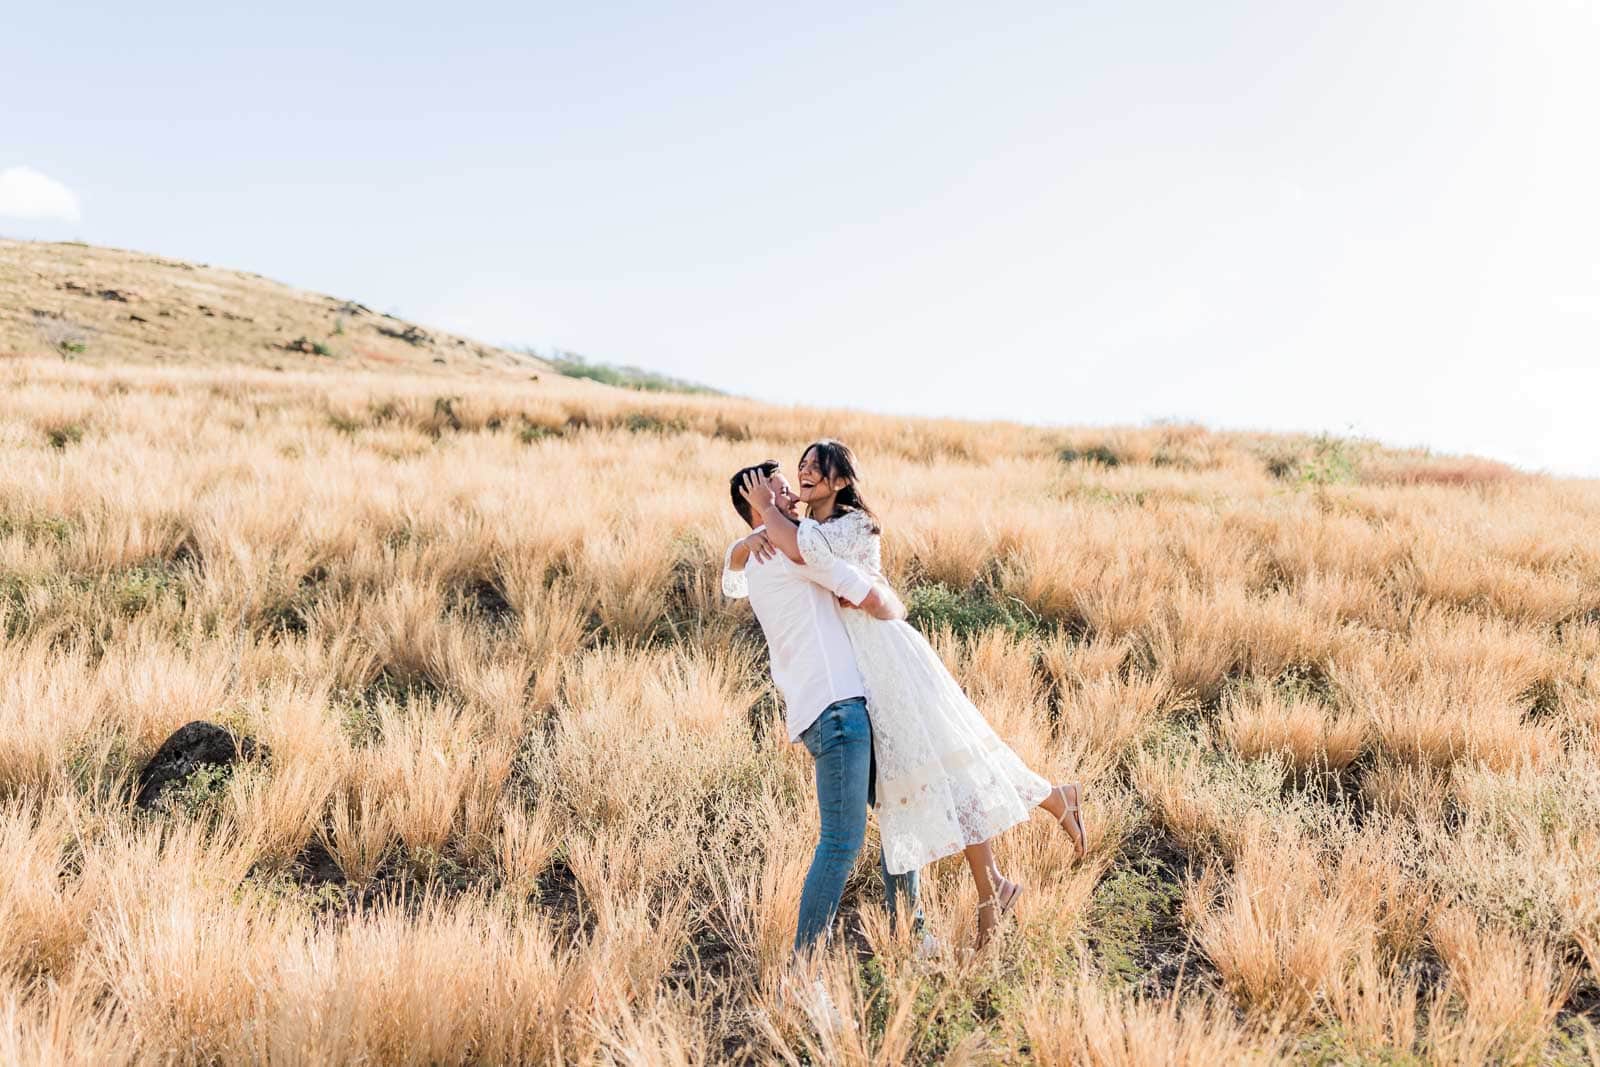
(813, 486)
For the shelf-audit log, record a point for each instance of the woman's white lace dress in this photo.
(945, 780)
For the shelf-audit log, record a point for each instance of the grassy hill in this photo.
(104, 305)
(1337, 709)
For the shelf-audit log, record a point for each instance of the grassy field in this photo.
(1337, 709)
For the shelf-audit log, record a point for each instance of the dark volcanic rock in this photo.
(315, 867)
(485, 596)
(194, 745)
(411, 335)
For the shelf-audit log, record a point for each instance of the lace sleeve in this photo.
(814, 547)
(734, 583)
(849, 538)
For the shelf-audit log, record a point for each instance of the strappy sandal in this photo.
(1004, 899)
(1006, 895)
(992, 902)
(1073, 811)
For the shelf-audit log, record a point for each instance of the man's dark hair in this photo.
(765, 468)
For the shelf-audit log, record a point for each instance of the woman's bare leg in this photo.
(980, 861)
(1056, 804)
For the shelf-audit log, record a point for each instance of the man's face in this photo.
(788, 503)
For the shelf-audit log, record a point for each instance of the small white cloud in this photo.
(27, 194)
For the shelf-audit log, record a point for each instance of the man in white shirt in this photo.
(824, 699)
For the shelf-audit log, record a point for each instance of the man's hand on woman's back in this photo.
(757, 547)
(883, 603)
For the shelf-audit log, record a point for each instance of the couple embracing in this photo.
(872, 702)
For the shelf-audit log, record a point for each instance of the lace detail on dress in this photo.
(945, 778)
(734, 583)
(849, 537)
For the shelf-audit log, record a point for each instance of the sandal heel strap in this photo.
(1070, 805)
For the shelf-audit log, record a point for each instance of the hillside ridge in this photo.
(114, 307)
(104, 305)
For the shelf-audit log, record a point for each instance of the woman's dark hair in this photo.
(835, 460)
(740, 504)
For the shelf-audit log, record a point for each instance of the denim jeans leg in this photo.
(841, 743)
(898, 887)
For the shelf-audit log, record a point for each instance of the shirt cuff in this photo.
(855, 588)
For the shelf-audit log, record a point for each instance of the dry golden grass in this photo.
(1341, 735)
(1300, 729)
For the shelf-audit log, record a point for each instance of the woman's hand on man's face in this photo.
(757, 492)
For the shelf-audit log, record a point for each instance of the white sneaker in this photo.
(813, 999)
(928, 948)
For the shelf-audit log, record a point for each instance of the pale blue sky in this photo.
(1376, 217)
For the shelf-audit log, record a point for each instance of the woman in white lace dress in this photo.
(946, 782)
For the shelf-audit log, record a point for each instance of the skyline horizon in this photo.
(547, 352)
(1373, 220)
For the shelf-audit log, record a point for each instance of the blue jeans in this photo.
(840, 742)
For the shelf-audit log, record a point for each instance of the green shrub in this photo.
(1326, 461)
(96, 766)
(52, 528)
(14, 614)
(934, 605)
(61, 334)
(444, 412)
(198, 795)
(1101, 454)
(1133, 910)
(644, 422)
(531, 431)
(623, 377)
(137, 588)
(308, 346)
(68, 433)
(1329, 463)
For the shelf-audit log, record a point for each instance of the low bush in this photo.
(1100, 454)
(935, 606)
(623, 377)
(63, 434)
